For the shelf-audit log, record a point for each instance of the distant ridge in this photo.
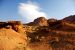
(70, 18)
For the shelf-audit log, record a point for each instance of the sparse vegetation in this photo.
(53, 35)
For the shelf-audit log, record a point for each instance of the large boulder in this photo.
(41, 21)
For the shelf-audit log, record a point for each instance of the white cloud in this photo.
(30, 11)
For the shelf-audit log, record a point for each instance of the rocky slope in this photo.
(12, 36)
(41, 34)
(57, 35)
(11, 40)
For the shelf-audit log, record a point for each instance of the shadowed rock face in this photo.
(3, 24)
(15, 25)
(70, 18)
(14, 22)
(52, 20)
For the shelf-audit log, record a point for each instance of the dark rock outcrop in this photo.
(70, 19)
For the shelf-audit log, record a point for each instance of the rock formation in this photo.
(70, 18)
(12, 36)
(41, 21)
(41, 34)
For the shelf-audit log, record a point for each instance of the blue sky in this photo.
(53, 8)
